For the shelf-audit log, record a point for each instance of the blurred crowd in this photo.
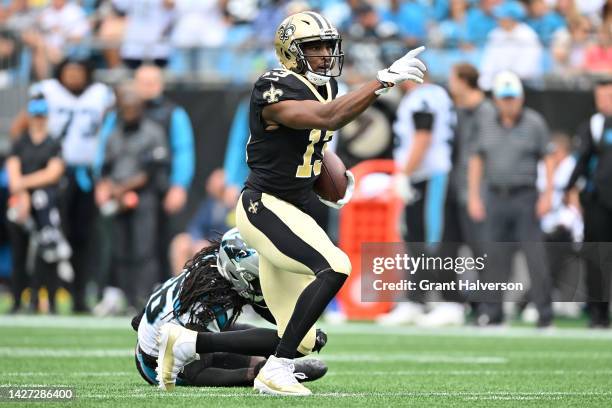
(98, 178)
(228, 39)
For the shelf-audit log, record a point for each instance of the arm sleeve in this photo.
(183, 151)
(423, 120)
(234, 164)
(585, 152)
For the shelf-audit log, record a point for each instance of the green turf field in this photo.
(368, 366)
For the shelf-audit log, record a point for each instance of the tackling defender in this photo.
(293, 113)
(207, 298)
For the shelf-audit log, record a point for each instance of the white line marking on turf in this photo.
(72, 374)
(415, 358)
(341, 373)
(433, 394)
(457, 358)
(112, 323)
(20, 352)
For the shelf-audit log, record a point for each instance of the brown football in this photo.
(332, 182)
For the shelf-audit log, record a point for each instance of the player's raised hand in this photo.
(407, 68)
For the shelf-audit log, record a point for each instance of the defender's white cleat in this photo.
(403, 313)
(277, 377)
(177, 348)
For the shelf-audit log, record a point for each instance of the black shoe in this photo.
(309, 369)
(544, 323)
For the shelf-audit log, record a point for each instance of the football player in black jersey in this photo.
(293, 112)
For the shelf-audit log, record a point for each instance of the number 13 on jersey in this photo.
(308, 169)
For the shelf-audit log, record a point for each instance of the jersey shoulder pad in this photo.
(279, 85)
(43, 87)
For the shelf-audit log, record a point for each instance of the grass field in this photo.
(368, 366)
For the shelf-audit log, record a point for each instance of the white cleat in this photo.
(404, 313)
(277, 377)
(177, 348)
(443, 314)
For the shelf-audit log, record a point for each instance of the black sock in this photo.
(309, 307)
(250, 342)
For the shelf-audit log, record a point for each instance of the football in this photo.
(332, 182)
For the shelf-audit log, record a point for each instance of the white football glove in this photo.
(404, 190)
(350, 187)
(406, 68)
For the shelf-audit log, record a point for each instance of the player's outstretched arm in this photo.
(339, 112)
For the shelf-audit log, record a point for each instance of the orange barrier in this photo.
(371, 219)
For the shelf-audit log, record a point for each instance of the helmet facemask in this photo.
(333, 62)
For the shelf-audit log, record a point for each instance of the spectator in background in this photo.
(234, 165)
(410, 18)
(506, 156)
(77, 106)
(569, 45)
(472, 108)
(133, 155)
(111, 29)
(598, 57)
(174, 188)
(544, 21)
(147, 34)
(453, 33)
(563, 223)
(480, 22)
(594, 165)
(34, 169)
(61, 24)
(423, 156)
(366, 47)
(209, 223)
(188, 37)
(19, 17)
(512, 46)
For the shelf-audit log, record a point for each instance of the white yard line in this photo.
(510, 395)
(368, 357)
(71, 374)
(110, 323)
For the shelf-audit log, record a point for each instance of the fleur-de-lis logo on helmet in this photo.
(285, 32)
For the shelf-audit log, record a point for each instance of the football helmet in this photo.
(239, 264)
(303, 28)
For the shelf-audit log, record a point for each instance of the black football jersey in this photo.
(285, 162)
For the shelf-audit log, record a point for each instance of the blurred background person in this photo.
(481, 21)
(513, 45)
(173, 187)
(147, 32)
(61, 26)
(598, 57)
(423, 156)
(134, 153)
(34, 170)
(594, 166)
(208, 223)
(505, 158)
(569, 45)
(77, 106)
